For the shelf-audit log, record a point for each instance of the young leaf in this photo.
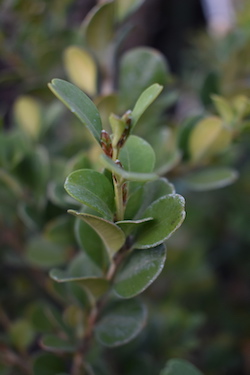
(208, 137)
(130, 176)
(112, 236)
(144, 101)
(92, 189)
(139, 271)
(31, 124)
(211, 178)
(180, 367)
(168, 213)
(122, 322)
(81, 69)
(79, 104)
(137, 155)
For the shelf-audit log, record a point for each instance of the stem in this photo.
(118, 198)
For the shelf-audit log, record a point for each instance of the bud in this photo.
(106, 144)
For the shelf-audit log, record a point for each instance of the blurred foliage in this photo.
(198, 308)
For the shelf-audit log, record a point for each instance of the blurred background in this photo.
(201, 303)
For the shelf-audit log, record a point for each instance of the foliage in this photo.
(75, 278)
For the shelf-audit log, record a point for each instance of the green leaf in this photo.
(130, 176)
(59, 197)
(85, 272)
(180, 367)
(45, 254)
(125, 7)
(27, 112)
(128, 225)
(139, 271)
(60, 230)
(48, 364)
(106, 105)
(168, 213)
(120, 323)
(56, 344)
(81, 69)
(144, 101)
(223, 107)
(152, 191)
(140, 68)
(208, 137)
(79, 104)
(211, 178)
(92, 189)
(99, 27)
(112, 236)
(21, 334)
(91, 243)
(137, 155)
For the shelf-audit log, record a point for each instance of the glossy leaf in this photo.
(152, 191)
(180, 367)
(128, 225)
(168, 213)
(56, 344)
(112, 236)
(140, 68)
(92, 189)
(130, 176)
(79, 104)
(137, 155)
(120, 323)
(144, 101)
(139, 271)
(49, 364)
(32, 123)
(91, 243)
(81, 69)
(211, 178)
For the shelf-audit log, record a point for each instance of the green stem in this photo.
(118, 198)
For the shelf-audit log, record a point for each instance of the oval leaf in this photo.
(140, 68)
(129, 176)
(112, 236)
(79, 104)
(212, 178)
(56, 344)
(168, 213)
(144, 101)
(92, 189)
(32, 123)
(81, 69)
(139, 271)
(91, 244)
(137, 155)
(180, 367)
(122, 322)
